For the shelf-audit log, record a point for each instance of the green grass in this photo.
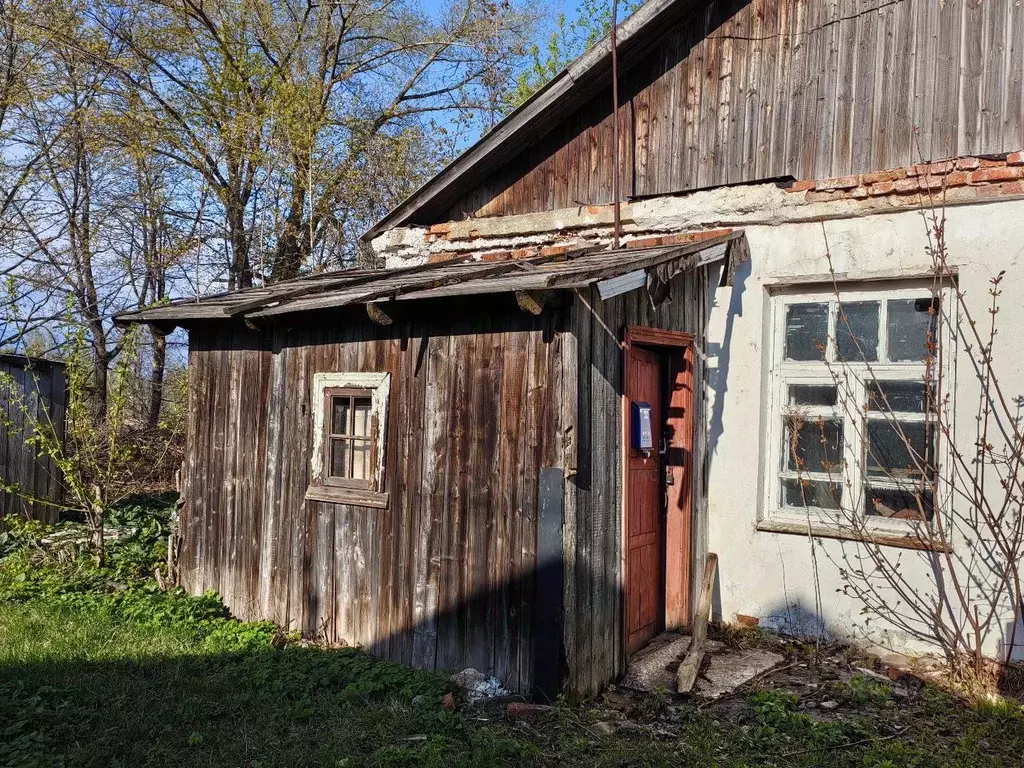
(100, 668)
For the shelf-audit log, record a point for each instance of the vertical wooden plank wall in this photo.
(593, 591)
(444, 576)
(744, 91)
(40, 388)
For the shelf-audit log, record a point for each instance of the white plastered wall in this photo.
(771, 575)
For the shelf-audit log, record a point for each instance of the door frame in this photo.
(677, 573)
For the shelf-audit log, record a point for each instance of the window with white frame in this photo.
(349, 430)
(852, 438)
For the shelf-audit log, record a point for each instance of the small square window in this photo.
(857, 331)
(348, 451)
(912, 328)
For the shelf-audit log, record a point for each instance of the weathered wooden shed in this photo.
(35, 389)
(432, 462)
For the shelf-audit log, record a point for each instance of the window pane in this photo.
(857, 331)
(818, 446)
(900, 504)
(892, 396)
(362, 413)
(910, 323)
(339, 458)
(811, 493)
(813, 394)
(360, 459)
(806, 331)
(896, 455)
(339, 417)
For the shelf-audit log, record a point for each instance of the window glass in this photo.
(360, 459)
(817, 447)
(339, 458)
(806, 331)
(857, 331)
(339, 415)
(813, 395)
(899, 449)
(900, 504)
(811, 493)
(911, 323)
(361, 406)
(898, 396)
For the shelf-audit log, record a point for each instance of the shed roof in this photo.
(25, 361)
(545, 109)
(465, 276)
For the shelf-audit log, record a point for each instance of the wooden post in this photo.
(686, 677)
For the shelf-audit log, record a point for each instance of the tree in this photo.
(568, 41)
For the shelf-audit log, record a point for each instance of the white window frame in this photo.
(379, 385)
(851, 378)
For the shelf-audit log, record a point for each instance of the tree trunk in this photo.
(239, 270)
(156, 378)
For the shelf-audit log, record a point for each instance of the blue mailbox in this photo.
(641, 428)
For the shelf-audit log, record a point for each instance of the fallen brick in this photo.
(747, 621)
(520, 710)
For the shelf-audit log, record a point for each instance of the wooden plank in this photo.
(976, 58)
(867, 71)
(1013, 114)
(686, 676)
(945, 120)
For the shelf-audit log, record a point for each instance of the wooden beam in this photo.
(378, 315)
(532, 301)
(686, 677)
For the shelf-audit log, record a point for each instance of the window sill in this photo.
(355, 497)
(909, 540)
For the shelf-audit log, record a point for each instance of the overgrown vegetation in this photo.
(99, 667)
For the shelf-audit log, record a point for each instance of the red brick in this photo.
(646, 242)
(694, 237)
(989, 163)
(1015, 158)
(968, 163)
(554, 250)
(859, 193)
(524, 253)
(880, 176)
(801, 186)
(930, 183)
(496, 256)
(747, 621)
(840, 182)
(931, 169)
(989, 175)
(440, 229)
(905, 185)
(882, 188)
(1012, 188)
(957, 179)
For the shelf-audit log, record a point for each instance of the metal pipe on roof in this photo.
(616, 206)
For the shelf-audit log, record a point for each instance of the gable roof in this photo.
(566, 91)
(459, 277)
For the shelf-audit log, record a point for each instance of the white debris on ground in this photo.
(477, 686)
(726, 672)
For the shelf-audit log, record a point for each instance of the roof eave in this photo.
(580, 74)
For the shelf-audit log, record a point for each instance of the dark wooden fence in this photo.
(38, 397)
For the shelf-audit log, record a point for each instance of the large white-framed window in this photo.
(852, 441)
(350, 413)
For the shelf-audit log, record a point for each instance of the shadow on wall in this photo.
(796, 620)
(718, 380)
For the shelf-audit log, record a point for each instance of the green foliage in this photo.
(863, 691)
(569, 40)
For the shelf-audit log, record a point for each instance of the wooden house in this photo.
(32, 389)
(513, 448)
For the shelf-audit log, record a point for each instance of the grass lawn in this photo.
(99, 667)
(85, 687)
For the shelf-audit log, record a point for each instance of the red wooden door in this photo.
(644, 503)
